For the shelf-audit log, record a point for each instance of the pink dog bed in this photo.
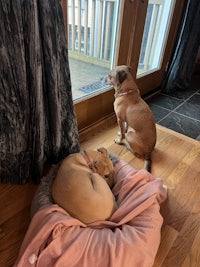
(130, 238)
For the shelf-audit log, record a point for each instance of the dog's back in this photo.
(135, 119)
(84, 194)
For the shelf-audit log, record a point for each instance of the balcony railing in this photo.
(92, 29)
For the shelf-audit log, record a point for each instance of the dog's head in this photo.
(118, 75)
(102, 165)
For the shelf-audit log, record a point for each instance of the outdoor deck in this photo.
(84, 78)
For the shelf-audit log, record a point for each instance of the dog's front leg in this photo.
(123, 128)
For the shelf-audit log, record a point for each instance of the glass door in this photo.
(104, 33)
(148, 34)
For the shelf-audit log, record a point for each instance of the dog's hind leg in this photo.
(134, 144)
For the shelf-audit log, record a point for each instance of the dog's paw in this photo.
(122, 136)
(119, 141)
(119, 133)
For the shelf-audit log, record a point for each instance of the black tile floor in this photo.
(179, 111)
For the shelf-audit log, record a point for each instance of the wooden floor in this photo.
(176, 160)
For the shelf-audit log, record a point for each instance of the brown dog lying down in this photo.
(132, 111)
(81, 186)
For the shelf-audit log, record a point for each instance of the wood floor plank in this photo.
(193, 257)
(183, 242)
(181, 200)
(13, 232)
(169, 235)
(163, 158)
(14, 198)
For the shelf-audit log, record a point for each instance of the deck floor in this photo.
(83, 74)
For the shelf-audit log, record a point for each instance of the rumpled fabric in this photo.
(130, 238)
(37, 118)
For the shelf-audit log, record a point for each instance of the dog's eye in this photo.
(106, 176)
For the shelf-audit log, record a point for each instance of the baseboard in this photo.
(98, 126)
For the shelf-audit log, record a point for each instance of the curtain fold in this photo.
(38, 122)
(188, 42)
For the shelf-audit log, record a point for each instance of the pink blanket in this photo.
(131, 237)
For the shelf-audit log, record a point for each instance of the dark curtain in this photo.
(37, 119)
(182, 65)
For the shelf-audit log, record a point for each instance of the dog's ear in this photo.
(103, 151)
(122, 75)
(129, 69)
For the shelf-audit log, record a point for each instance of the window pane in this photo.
(155, 35)
(92, 37)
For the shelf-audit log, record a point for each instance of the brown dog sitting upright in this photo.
(132, 111)
(82, 183)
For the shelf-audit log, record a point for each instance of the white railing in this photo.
(92, 28)
(92, 31)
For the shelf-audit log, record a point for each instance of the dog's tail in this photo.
(147, 163)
